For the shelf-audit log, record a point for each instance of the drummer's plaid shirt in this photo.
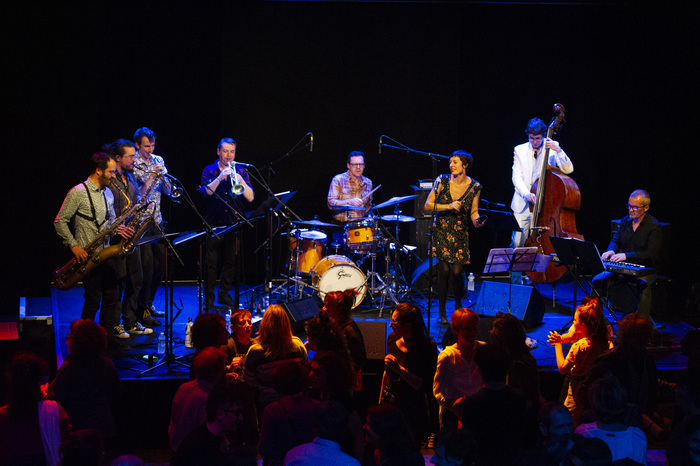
(343, 187)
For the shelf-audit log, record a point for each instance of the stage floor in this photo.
(133, 356)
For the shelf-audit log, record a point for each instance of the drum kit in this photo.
(363, 237)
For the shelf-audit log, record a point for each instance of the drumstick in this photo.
(364, 199)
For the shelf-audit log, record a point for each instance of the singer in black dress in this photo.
(454, 199)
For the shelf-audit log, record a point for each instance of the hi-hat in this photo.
(395, 200)
(314, 222)
(397, 218)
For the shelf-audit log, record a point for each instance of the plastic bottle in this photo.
(161, 343)
(188, 333)
(470, 282)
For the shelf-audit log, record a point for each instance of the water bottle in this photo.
(470, 282)
(188, 333)
(161, 343)
(227, 318)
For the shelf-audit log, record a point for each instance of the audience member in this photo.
(337, 305)
(127, 460)
(208, 329)
(457, 376)
(274, 345)
(189, 404)
(556, 429)
(323, 335)
(87, 383)
(287, 422)
(31, 428)
(389, 439)
(495, 415)
(609, 403)
(409, 368)
(83, 447)
(239, 341)
(454, 447)
(590, 325)
(209, 443)
(330, 424)
(684, 444)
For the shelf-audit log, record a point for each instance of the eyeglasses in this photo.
(357, 165)
(635, 207)
(243, 323)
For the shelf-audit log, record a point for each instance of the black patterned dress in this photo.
(450, 233)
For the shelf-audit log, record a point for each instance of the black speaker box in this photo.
(301, 311)
(526, 302)
(374, 335)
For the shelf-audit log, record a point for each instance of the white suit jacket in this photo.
(526, 170)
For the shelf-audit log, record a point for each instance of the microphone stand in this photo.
(435, 158)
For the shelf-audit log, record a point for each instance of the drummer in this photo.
(350, 189)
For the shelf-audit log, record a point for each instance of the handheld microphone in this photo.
(381, 139)
(311, 143)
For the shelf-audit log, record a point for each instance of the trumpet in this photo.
(236, 188)
(175, 192)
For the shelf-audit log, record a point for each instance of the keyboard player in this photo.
(638, 240)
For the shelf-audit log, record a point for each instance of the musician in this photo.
(638, 241)
(350, 188)
(454, 199)
(147, 166)
(130, 270)
(89, 206)
(218, 180)
(527, 166)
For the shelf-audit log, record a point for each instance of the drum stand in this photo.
(383, 290)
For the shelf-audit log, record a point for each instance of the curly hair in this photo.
(338, 305)
(590, 313)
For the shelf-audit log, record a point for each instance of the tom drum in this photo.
(311, 245)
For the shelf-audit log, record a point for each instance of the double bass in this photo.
(554, 211)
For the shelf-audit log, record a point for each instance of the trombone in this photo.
(236, 188)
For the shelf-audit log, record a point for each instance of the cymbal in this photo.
(397, 218)
(395, 200)
(349, 207)
(314, 222)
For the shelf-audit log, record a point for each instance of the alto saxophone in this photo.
(70, 274)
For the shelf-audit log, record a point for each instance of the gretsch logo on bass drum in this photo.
(343, 274)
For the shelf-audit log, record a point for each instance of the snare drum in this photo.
(360, 235)
(311, 245)
(338, 273)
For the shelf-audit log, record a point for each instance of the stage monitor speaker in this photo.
(301, 311)
(374, 336)
(526, 302)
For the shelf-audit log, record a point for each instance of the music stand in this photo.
(584, 258)
(515, 260)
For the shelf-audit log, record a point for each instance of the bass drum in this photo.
(338, 273)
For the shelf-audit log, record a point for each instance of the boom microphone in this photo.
(381, 139)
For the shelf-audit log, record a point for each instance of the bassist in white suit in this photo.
(527, 166)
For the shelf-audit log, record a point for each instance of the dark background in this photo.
(434, 76)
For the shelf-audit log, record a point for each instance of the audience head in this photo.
(290, 378)
(454, 447)
(209, 364)
(242, 325)
(331, 421)
(86, 337)
(590, 314)
(127, 460)
(634, 332)
(275, 334)
(492, 361)
(27, 373)
(555, 421)
(589, 452)
(465, 324)
(388, 431)
(608, 400)
(323, 335)
(508, 332)
(407, 322)
(82, 448)
(209, 329)
(338, 305)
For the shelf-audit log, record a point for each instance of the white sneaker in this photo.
(138, 329)
(119, 332)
